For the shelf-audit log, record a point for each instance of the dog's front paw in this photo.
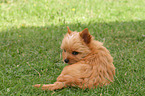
(48, 87)
(45, 87)
(37, 85)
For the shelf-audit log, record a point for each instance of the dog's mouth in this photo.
(69, 63)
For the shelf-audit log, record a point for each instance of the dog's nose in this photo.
(66, 60)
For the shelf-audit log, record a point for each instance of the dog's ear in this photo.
(69, 31)
(86, 36)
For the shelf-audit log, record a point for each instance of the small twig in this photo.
(34, 69)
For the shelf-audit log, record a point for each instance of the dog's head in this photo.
(75, 46)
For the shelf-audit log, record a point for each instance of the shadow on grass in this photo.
(114, 34)
(40, 46)
(99, 30)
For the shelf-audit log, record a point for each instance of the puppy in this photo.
(89, 63)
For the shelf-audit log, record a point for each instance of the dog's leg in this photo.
(56, 85)
(71, 75)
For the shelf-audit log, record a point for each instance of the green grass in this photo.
(30, 37)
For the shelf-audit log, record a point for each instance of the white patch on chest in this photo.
(70, 37)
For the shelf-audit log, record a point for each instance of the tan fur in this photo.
(90, 68)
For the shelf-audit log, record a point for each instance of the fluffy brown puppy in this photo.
(89, 63)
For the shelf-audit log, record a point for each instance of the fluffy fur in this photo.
(89, 63)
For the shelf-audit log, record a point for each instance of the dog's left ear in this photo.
(86, 36)
(69, 31)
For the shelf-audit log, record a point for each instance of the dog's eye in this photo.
(75, 53)
(64, 50)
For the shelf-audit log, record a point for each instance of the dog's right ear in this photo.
(69, 31)
(86, 36)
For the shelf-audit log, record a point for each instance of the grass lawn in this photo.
(31, 32)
